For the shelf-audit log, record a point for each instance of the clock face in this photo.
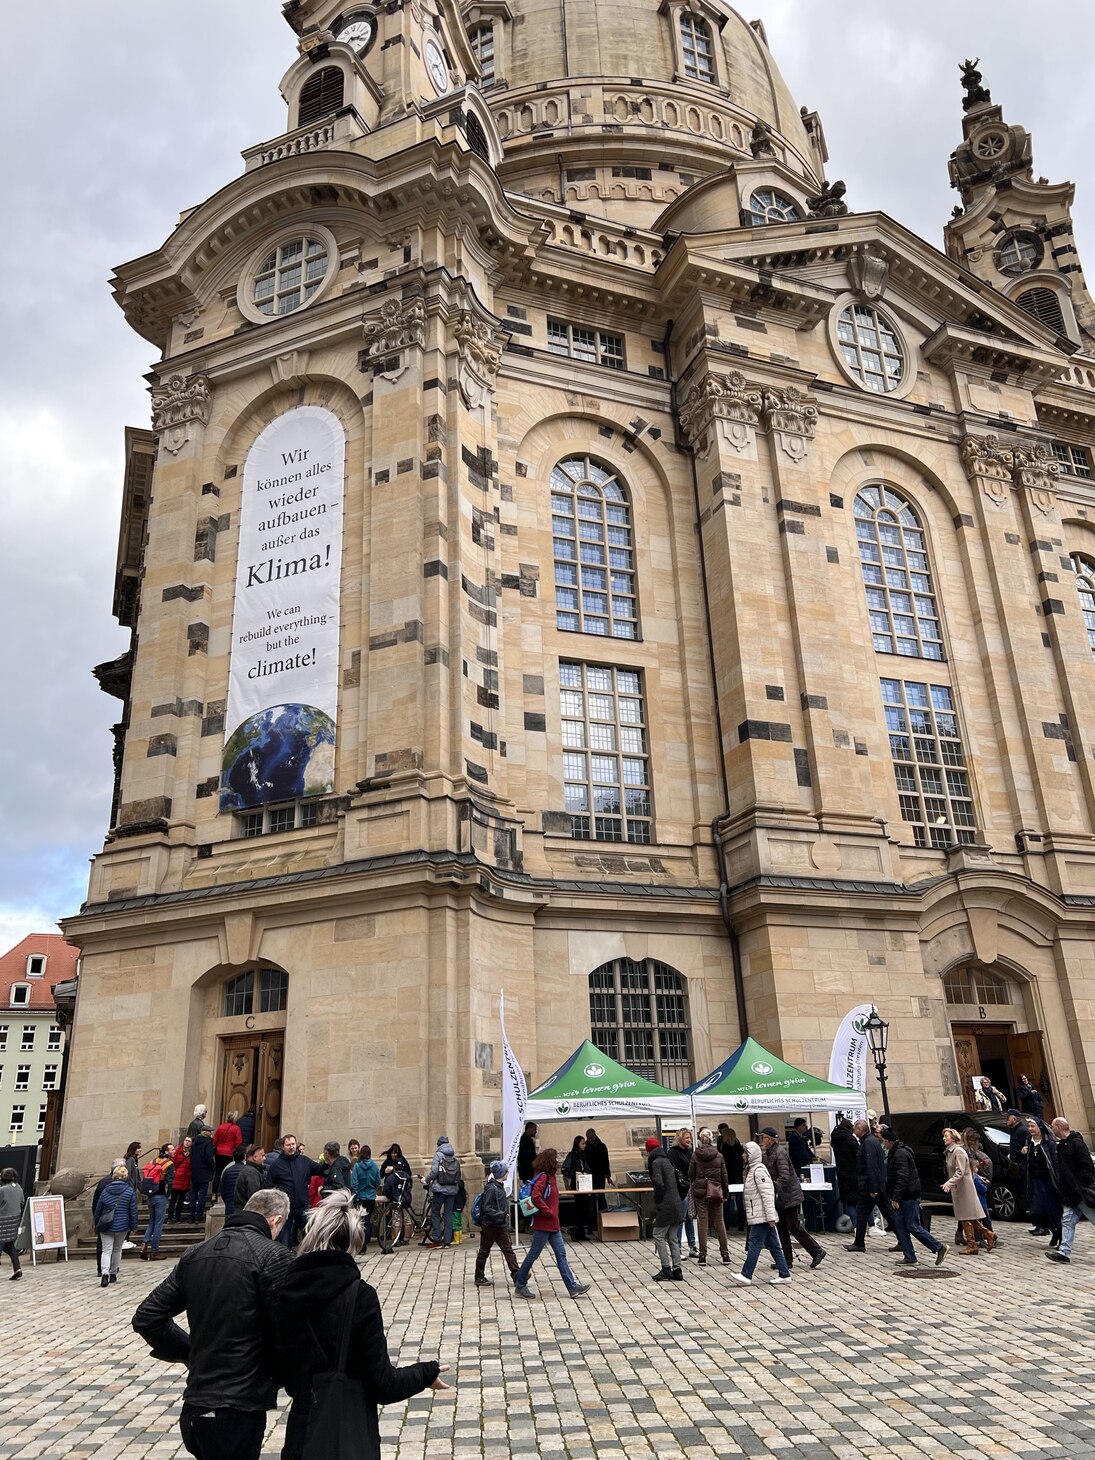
(436, 66)
(358, 33)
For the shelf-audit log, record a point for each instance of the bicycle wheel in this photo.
(385, 1226)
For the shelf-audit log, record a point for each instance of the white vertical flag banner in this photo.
(514, 1100)
(848, 1062)
(283, 678)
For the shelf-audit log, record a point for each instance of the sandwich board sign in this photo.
(47, 1226)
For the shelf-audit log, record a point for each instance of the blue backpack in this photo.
(477, 1209)
(524, 1196)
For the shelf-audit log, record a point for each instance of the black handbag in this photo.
(339, 1417)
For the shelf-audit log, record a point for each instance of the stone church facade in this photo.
(710, 644)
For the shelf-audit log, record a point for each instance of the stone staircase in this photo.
(177, 1237)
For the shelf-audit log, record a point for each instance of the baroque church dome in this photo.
(623, 107)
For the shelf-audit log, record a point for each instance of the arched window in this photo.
(482, 45)
(1044, 305)
(638, 1013)
(1018, 253)
(320, 95)
(699, 53)
(594, 552)
(477, 138)
(1085, 587)
(239, 992)
(893, 556)
(976, 983)
(768, 206)
(290, 275)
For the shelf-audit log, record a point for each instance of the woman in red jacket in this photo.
(226, 1138)
(180, 1184)
(545, 1226)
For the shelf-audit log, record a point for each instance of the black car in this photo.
(923, 1131)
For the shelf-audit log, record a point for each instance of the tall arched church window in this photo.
(896, 575)
(594, 550)
(238, 995)
(482, 45)
(1044, 305)
(1085, 587)
(638, 1014)
(320, 95)
(697, 47)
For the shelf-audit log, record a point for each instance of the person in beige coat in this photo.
(963, 1194)
(759, 1197)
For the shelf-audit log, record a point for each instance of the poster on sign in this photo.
(47, 1226)
(283, 680)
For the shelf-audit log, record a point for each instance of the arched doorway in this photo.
(251, 1014)
(995, 1030)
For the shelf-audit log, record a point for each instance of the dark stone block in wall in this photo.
(813, 702)
(207, 788)
(831, 555)
(1052, 605)
(804, 509)
(861, 747)
(163, 745)
(792, 526)
(1013, 538)
(773, 691)
(835, 501)
(763, 730)
(435, 568)
(555, 823)
(475, 772)
(197, 638)
(182, 590)
(802, 768)
(534, 721)
(435, 654)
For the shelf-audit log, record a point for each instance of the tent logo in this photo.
(563, 1108)
(706, 1084)
(594, 1072)
(741, 1105)
(761, 1068)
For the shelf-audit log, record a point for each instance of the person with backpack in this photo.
(180, 1179)
(156, 1179)
(543, 1205)
(443, 1183)
(336, 1169)
(490, 1212)
(365, 1185)
(115, 1216)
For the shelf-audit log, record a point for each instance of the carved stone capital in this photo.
(790, 416)
(399, 325)
(727, 399)
(1036, 470)
(480, 349)
(998, 467)
(176, 403)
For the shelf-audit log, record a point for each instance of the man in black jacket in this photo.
(871, 1170)
(1075, 1186)
(292, 1173)
(227, 1287)
(526, 1152)
(600, 1165)
(903, 1194)
(788, 1199)
(252, 1178)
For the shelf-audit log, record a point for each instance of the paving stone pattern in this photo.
(992, 1356)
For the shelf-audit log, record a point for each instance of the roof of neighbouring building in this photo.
(61, 959)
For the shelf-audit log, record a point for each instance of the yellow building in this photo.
(576, 555)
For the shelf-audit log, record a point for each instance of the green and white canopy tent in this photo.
(591, 1084)
(752, 1081)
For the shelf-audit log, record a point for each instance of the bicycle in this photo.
(390, 1220)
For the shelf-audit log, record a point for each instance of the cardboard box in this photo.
(618, 1226)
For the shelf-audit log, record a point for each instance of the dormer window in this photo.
(320, 96)
(36, 965)
(1044, 306)
(20, 995)
(698, 49)
(768, 206)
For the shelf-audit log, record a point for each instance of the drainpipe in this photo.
(724, 887)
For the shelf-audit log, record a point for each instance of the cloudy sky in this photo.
(118, 117)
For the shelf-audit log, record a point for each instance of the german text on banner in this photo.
(514, 1099)
(848, 1062)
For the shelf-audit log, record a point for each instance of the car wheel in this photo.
(1003, 1204)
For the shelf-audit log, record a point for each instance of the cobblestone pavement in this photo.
(987, 1356)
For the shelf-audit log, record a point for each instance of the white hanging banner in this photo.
(848, 1062)
(514, 1100)
(283, 682)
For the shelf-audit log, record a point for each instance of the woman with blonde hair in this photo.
(322, 1295)
(115, 1216)
(710, 1187)
(963, 1194)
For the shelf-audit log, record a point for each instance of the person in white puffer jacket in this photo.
(759, 1197)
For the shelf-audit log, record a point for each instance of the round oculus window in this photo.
(870, 348)
(1018, 253)
(287, 274)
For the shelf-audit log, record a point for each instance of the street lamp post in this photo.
(878, 1036)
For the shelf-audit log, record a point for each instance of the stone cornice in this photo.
(974, 352)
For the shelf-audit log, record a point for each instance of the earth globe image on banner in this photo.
(278, 754)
